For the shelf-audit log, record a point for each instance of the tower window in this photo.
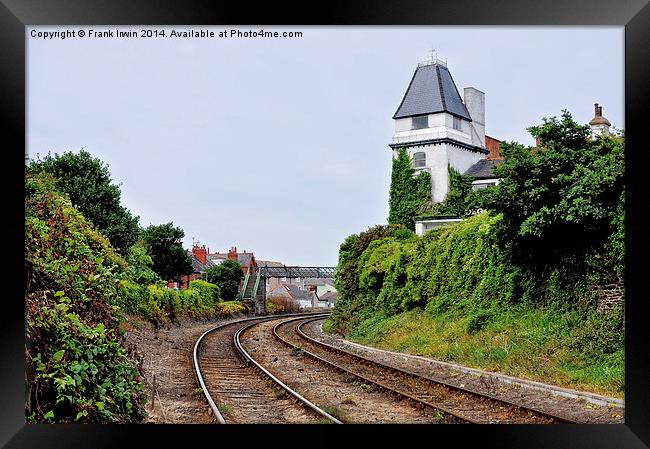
(419, 160)
(420, 122)
(456, 123)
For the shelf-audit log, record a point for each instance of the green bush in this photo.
(132, 295)
(209, 292)
(229, 308)
(77, 369)
(155, 308)
(191, 299)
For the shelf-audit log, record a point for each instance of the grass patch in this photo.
(548, 344)
(280, 393)
(224, 408)
(336, 412)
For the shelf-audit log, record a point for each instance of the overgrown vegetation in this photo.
(78, 289)
(87, 181)
(408, 192)
(281, 304)
(508, 289)
(459, 201)
(163, 243)
(228, 276)
(77, 367)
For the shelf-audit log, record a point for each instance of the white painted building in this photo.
(599, 125)
(437, 127)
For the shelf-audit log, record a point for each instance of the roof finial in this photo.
(431, 59)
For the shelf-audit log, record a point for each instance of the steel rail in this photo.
(457, 416)
(473, 392)
(197, 364)
(249, 359)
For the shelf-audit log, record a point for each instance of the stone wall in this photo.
(609, 295)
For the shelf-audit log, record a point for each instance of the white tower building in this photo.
(437, 128)
(599, 125)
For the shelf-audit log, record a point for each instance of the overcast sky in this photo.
(279, 146)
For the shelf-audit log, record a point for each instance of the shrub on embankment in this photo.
(77, 368)
(453, 294)
(78, 288)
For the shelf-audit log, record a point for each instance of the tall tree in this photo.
(88, 183)
(163, 242)
(563, 200)
(407, 191)
(227, 275)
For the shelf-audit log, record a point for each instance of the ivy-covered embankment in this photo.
(509, 289)
(78, 292)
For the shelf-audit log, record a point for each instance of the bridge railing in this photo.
(297, 272)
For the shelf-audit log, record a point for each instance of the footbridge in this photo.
(254, 288)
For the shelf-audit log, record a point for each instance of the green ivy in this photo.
(408, 192)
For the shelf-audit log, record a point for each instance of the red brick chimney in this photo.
(232, 253)
(492, 145)
(200, 253)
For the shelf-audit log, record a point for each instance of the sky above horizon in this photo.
(279, 146)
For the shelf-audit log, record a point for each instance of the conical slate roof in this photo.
(432, 89)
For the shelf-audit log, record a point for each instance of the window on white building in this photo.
(420, 122)
(482, 185)
(456, 123)
(419, 160)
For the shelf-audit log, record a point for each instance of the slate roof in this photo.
(244, 259)
(432, 90)
(269, 263)
(197, 266)
(296, 293)
(318, 281)
(329, 296)
(483, 169)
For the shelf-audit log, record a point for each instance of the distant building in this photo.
(599, 125)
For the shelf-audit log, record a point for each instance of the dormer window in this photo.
(456, 123)
(420, 122)
(419, 160)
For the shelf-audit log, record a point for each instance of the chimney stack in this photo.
(475, 104)
(599, 124)
(200, 253)
(232, 254)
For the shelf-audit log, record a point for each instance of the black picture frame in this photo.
(634, 15)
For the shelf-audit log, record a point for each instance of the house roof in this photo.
(329, 296)
(269, 263)
(483, 169)
(296, 293)
(244, 259)
(599, 120)
(432, 90)
(318, 281)
(197, 266)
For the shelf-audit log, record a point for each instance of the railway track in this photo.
(453, 404)
(239, 389)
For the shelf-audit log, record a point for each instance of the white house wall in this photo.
(462, 159)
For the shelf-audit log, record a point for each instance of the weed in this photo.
(224, 408)
(296, 351)
(280, 393)
(348, 400)
(336, 412)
